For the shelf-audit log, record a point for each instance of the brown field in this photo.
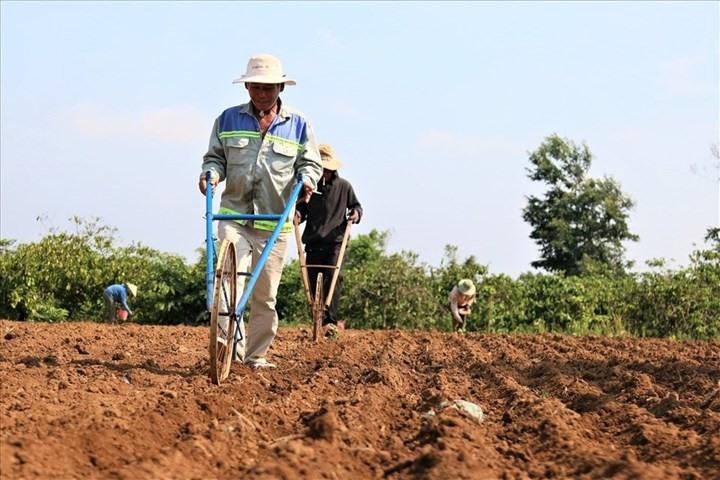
(86, 400)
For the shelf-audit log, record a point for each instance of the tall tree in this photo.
(713, 238)
(580, 223)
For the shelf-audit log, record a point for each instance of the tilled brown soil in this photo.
(85, 400)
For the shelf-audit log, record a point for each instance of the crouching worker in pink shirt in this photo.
(461, 297)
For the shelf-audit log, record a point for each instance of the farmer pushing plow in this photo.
(328, 216)
(266, 153)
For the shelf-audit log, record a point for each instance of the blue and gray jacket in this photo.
(259, 172)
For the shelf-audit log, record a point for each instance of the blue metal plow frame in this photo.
(210, 217)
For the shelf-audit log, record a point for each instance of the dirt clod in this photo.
(323, 424)
(30, 361)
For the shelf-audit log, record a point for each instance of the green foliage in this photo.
(385, 291)
(170, 291)
(54, 278)
(390, 293)
(444, 278)
(580, 222)
(63, 275)
(365, 249)
(292, 304)
(501, 305)
(380, 290)
(713, 238)
(572, 304)
(684, 303)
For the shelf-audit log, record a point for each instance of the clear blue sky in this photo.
(106, 109)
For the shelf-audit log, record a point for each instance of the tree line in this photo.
(585, 285)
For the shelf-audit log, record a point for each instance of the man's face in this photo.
(264, 95)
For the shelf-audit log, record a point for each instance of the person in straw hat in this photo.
(461, 297)
(327, 215)
(116, 295)
(258, 149)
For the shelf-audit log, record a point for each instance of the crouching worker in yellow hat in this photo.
(117, 294)
(461, 297)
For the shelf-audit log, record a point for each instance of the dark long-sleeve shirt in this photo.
(327, 211)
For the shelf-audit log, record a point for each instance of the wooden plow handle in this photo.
(338, 266)
(303, 265)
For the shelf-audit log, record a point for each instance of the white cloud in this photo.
(171, 124)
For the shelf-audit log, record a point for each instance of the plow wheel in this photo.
(222, 316)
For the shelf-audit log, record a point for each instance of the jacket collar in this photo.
(282, 112)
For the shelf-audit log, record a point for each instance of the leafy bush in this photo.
(684, 303)
(63, 275)
(385, 291)
(292, 304)
(500, 306)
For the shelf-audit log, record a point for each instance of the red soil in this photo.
(85, 400)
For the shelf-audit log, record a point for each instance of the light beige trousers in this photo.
(263, 322)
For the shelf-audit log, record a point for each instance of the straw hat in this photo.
(132, 288)
(264, 68)
(329, 160)
(466, 287)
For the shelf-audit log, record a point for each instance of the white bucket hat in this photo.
(329, 160)
(264, 68)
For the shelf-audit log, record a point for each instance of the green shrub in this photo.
(683, 303)
(63, 275)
